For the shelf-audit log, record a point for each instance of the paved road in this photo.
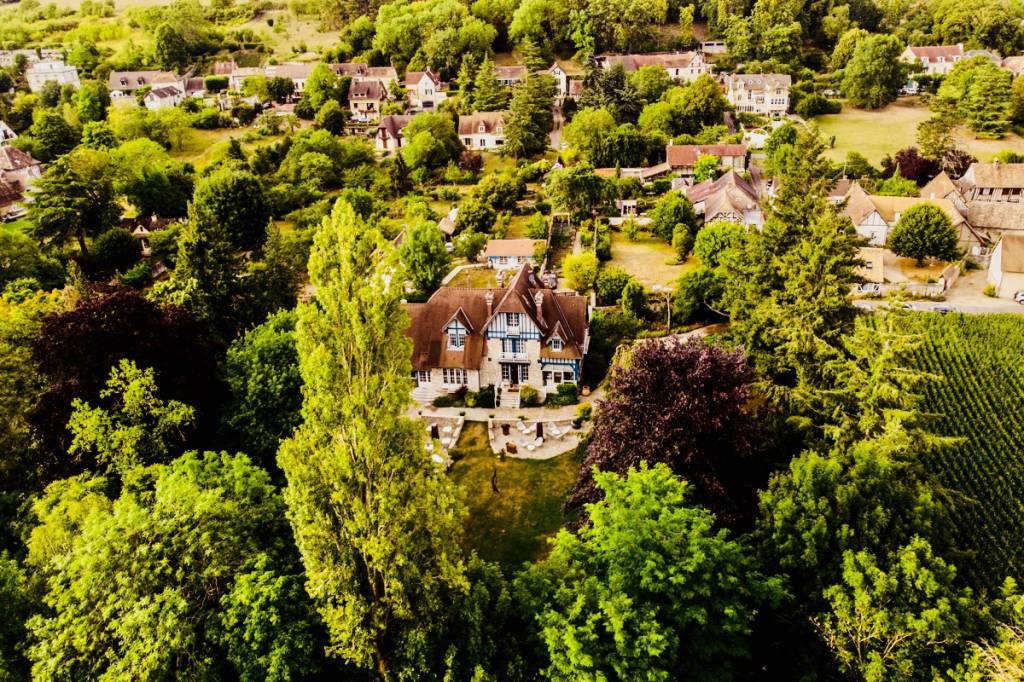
(979, 307)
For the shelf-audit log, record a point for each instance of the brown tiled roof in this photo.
(508, 73)
(761, 81)
(385, 73)
(133, 80)
(223, 68)
(9, 194)
(889, 208)
(166, 91)
(394, 124)
(632, 62)
(349, 68)
(939, 187)
(728, 194)
(931, 53)
(565, 315)
(995, 215)
(292, 70)
(680, 155)
(490, 120)
(840, 189)
(413, 78)
(999, 175)
(511, 247)
(367, 90)
(1013, 253)
(12, 158)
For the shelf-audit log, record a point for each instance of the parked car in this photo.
(942, 308)
(869, 288)
(1019, 297)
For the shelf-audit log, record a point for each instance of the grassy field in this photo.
(475, 278)
(649, 259)
(885, 131)
(510, 526)
(202, 147)
(981, 401)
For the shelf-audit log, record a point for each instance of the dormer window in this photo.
(512, 320)
(456, 336)
(481, 129)
(556, 344)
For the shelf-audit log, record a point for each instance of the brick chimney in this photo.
(489, 297)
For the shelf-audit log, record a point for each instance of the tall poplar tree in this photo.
(376, 522)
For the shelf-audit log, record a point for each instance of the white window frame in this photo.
(456, 336)
(557, 344)
(454, 376)
(423, 376)
(512, 320)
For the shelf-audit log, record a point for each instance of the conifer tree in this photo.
(377, 524)
(488, 94)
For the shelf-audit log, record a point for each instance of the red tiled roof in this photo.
(680, 155)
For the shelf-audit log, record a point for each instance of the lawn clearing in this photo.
(474, 278)
(650, 260)
(510, 526)
(876, 133)
(202, 147)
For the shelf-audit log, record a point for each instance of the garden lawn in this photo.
(474, 278)
(886, 131)
(510, 526)
(202, 147)
(650, 260)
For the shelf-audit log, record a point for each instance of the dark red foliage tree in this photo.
(76, 350)
(911, 165)
(682, 404)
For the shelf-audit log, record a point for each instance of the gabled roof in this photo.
(382, 73)
(728, 194)
(996, 215)
(511, 72)
(394, 124)
(932, 53)
(1013, 253)
(9, 194)
(761, 81)
(164, 92)
(632, 62)
(133, 80)
(490, 120)
(681, 155)
(1014, 64)
(12, 158)
(939, 187)
(995, 174)
(565, 313)
(413, 78)
(860, 206)
(367, 90)
(292, 70)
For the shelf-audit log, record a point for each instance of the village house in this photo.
(510, 76)
(685, 66)
(729, 198)
(993, 182)
(237, 78)
(425, 90)
(683, 157)
(6, 132)
(123, 83)
(943, 187)
(9, 58)
(296, 72)
(351, 69)
(645, 175)
(994, 218)
(523, 335)
(385, 75)
(934, 59)
(874, 216)
(1006, 269)
(714, 47)
(18, 169)
(1014, 64)
(389, 132)
(561, 81)
(366, 99)
(447, 224)
(508, 254)
(163, 97)
(766, 94)
(56, 71)
(11, 205)
(484, 130)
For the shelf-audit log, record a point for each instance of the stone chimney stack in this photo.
(538, 300)
(489, 297)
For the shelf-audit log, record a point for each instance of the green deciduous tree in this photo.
(235, 200)
(52, 136)
(924, 231)
(424, 257)
(979, 93)
(74, 199)
(649, 591)
(576, 189)
(262, 370)
(188, 575)
(431, 141)
(894, 618)
(670, 210)
(139, 429)
(580, 270)
(634, 300)
(361, 489)
(874, 74)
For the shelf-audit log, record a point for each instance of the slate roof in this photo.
(394, 124)
(370, 90)
(728, 194)
(133, 80)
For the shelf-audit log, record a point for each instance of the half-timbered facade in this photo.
(525, 334)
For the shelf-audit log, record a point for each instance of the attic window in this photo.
(556, 344)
